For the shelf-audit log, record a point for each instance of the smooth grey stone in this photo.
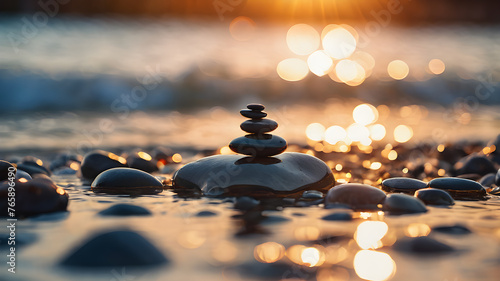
(136, 162)
(256, 106)
(434, 196)
(405, 185)
(32, 169)
(474, 164)
(357, 196)
(117, 248)
(20, 174)
(456, 229)
(206, 214)
(312, 194)
(246, 203)
(459, 188)
(125, 210)
(4, 170)
(36, 196)
(98, 161)
(258, 145)
(126, 181)
(422, 245)
(33, 162)
(254, 114)
(400, 204)
(259, 126)
(236, 175)
(341, 216)
(487, 180)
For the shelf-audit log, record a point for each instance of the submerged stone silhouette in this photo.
(126, 181)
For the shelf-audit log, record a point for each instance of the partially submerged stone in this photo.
(405, 185)
(460, 188)
(357, 196)
(126, 181)
(400, 204)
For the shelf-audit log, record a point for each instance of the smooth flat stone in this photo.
(4, 170)
(258, 145)
(422, 245)
(235, 175)
(259, 126)
(32, 169)
(405, 185)
(123, 210)
(339, 216)
(254, 114)
(312, 194)
(474, 164)
(126, 181)
(456, 229)
(246, 203)
(33, 197)
(357, 196)
(20, 174)
(256, 106)
(115, 249)
(98, 161)
(487, 180)
(400, 204)
(434, 196)
(459, 188)
(206, 214)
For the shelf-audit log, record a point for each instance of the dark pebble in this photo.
(256, 106)
(474, 164)
(400, 204)
(126, 181)
(433, 196)
(125, 210)
(34, 197)
(115, 249)
(258, 145)
(246, 203)
(254, 114)
(340, 216)
(422, 245)
(206, 214)
(405, 185)
(259, 126)
(32, 169)
(312, 194)
(99, 161)
(4, 169)
(20, 174)
(487, 180)
(357, 196)
(137, 162)
(456, 229)
(497, 178)
(35, 162)
(459, 188)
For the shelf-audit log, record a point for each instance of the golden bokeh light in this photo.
(144, 156)
(392, 155)
(292, 69)
(269, 252)
(225, 252)
(23, 180)
(74, 166)
(398, 69)
(436, 66)
(306, 233)
(373, 265)
(319, 63)
(375, 165)
(302, 39)
(225, 150)
(440, 148)
(315, 132)
(177, 158)
(350, 72)
(358, 132)
(312, 256)
(191, 239)
(417, 229)
(334, 134)
(369, 233)
(332, 274)
(365, 60)
(365, 114)
(377, 132)
(242, 28)
(402, 133)
(339, 43)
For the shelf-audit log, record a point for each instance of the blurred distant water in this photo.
(95, 63)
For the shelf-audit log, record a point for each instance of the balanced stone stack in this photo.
(258, 143)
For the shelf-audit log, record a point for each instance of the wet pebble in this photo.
(99, 161)
(434, 196)
(206, 214)
(312, 195)
(256, 106)
(400, 204)
(32, 169)
(34, 197)
(474, 164)
(357, 196)
(126, 181)
(259, 126)
(120, 210)
(487, 180)
(4, 169)
(258, 145)
(20, 174)
(422, 245)
(338, 216)
(405, 185)
(115, 249)
(456, 229)
(459, 188)
(246, 203)
(142, 162)
(254, 114)
(497, 178)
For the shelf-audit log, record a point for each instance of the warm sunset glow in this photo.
(191, 239)
(269, 252)
(350, 72)
(60, 191)
(377, 132)
(23, 180)
(225, 150)
(302, 39)
(369, 233)
(403, 133)
(74, 166)
(375, 165)
(242, 28)
(365, 114)
(319, 63)
(339, 43)
(373, 265)
(393, 155)
(335, 134)
(365, 60)
(311, 257)
(332, 274)
(398, 69)
(177, 158)
(315, 132)
(417, 229)
(225, 252)
(357, 132)
(292, 69)
(306, 233)
(436, 66)
(144, 156)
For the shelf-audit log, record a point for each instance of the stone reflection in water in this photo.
(369, 234)
(374, 266)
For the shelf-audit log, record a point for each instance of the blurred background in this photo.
(78, 75)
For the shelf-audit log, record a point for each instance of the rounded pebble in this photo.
(246, 203)
(405, 185)
(400, 204)
(459, 188)
(422, 245)
(259, 126)
(206, 214)
(357, 196)
(126, 181)
(312, 194)
(99, 161)
(474, 164)
(338, 216)
(256, 106)
(258, 145)
(487, 180)
(141, 163)
(4, 169)
(456, 229)
(434, 196)
(120, 210)
(253, 114)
